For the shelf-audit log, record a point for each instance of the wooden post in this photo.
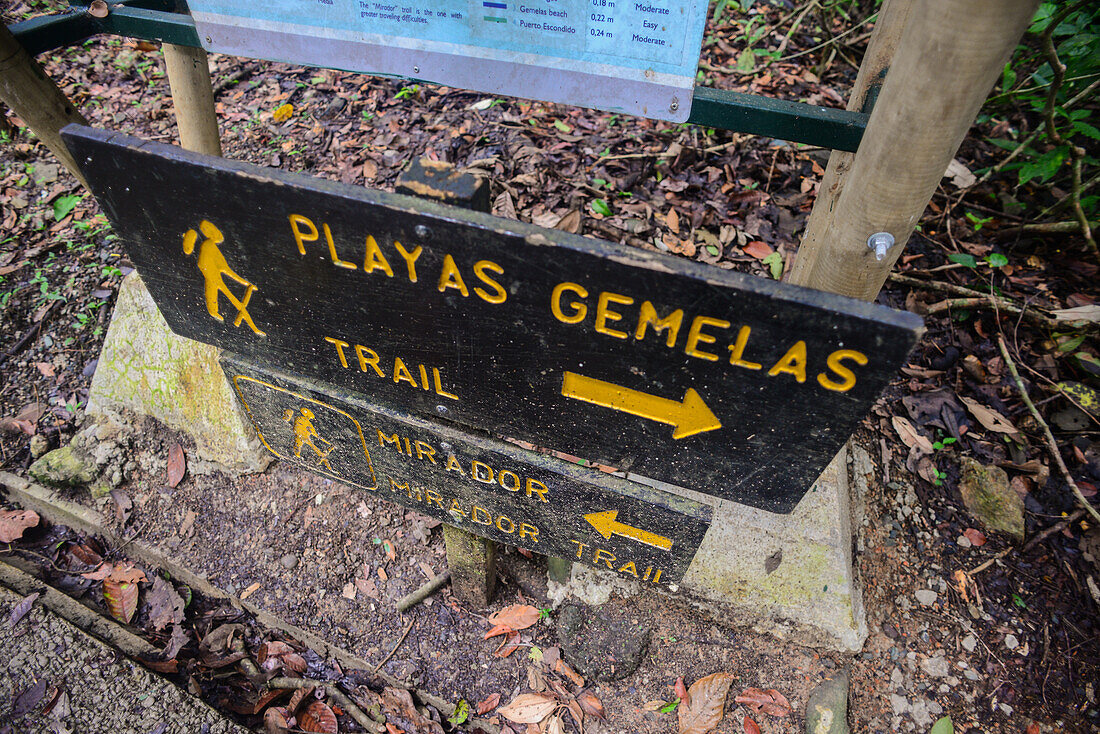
(471, 559)
(25, 88)
(892, 19)
(193, 97)
(947, 59)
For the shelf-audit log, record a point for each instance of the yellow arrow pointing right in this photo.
(687, 417)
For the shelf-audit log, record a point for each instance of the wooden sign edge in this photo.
(531, 235)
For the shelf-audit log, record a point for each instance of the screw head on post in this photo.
(880, 242)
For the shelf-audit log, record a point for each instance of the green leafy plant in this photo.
(600, 207)
(63, 205)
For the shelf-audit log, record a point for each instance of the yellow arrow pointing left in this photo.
(607, 525)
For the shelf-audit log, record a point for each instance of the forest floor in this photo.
(963, 622)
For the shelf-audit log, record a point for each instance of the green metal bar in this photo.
(747, 113)
(778, 118)
(148, 24)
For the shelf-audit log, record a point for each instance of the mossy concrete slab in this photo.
(787, 575)
(790, 575)
(145, 369)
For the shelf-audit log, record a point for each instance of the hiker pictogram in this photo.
(305, 434)
(214, 269)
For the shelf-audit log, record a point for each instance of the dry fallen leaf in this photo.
(282, 113)
(991, 419)
(487, 705)
(528, 708)
(20, 610)
(770, 702)
(591, 705)
(757, 249)
(750, 726)
(14, 522)
(909, 436)
(975, 536)
(177, 464)
(516, 617)
(702, 710)
(318, 717)
(121, 598)
(98, 9)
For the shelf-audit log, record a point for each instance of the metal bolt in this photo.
(441, 409)
(674, 106)
(416, 70)
(422, 232)
(880, 242)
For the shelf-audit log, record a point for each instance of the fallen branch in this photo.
(404, 634)
(971, 298)
(370, 722)
(1052, 445)
(411, 600)
(1041, 228)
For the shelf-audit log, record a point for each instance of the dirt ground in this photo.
(1014, 640)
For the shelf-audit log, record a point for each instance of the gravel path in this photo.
(101, 690)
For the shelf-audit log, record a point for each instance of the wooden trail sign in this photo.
(730, 385)
(490, 488)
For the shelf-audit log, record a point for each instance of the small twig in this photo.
(1052, 445)
(1055, 528)
(666, 154)
(367, 720)
(411, 600)
(404, 634)
(1040, 228)
(1077, 153)
(974, 299)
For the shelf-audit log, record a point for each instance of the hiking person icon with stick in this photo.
(215, 269)
(304, 433)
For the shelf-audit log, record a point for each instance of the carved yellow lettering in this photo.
(514, 480)
(394, 486)
(434, 498)
(500, 295)
(793, 362)
(401, 372)
(481, 472)
(439, 387)
(301, 237)
(835, 362)
(605, 314)
(534, 486)
(332, 250)
(425, 449)
(737, 350)
(474, 516)
(383, 439)
(450, 277)
(600, 552)
(580, 547)
(453, 465)
(579, 309)
(339, 348)
(374, 259)
(526, 530)
(423, 377)
(505, 519)
(409, 258)
(696, 337)
(656, 576)
(368, 358)
(629, 568)
(456, 509)
(647, 316)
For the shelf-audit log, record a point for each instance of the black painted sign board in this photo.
(488, 487)
(731, 385)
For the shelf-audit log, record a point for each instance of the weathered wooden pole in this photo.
(947, 59)
(891, 22)
(193, 98)
(25, 88)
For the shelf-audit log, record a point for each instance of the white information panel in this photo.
(633, 56)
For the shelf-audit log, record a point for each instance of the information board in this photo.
(731, 385)
(632, 56)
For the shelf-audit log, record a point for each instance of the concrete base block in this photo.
(145, 369)
(789, 575)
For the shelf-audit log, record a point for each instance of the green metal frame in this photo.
(165, 22)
